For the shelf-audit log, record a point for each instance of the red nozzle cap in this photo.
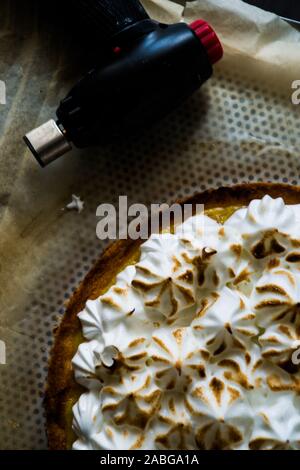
(209, 39)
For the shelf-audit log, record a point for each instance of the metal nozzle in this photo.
(47, 142)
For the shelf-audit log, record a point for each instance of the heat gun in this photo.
(149, 69)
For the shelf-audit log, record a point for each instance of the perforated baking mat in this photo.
(240, 127)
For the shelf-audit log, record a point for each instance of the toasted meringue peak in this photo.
(277, 425)
(221, 415)
(268, 227)
(264, 214)
(172, 427)
(193, 346)
(114, 437)
(119, 305)
(164, 278)
(279, 342)
(198, 228)
(226, 322)
(217, 251)
(276, 297)
(200, 232)
(133, 401)
(119, 353)
(243, 368)
(177, 358)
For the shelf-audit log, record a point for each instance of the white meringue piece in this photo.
(84, 364)
(87, 420)
(91, 320)
(108, 356)
(76, 204)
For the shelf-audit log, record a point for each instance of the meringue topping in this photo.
(277, 425)
(192, 347)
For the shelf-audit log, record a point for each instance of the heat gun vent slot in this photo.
(109, 17)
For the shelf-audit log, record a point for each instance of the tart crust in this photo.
(62, 391)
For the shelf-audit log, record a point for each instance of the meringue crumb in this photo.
(76, 204)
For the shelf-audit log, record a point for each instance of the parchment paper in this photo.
(241, 126)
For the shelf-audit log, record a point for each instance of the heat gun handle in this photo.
(110, 17)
